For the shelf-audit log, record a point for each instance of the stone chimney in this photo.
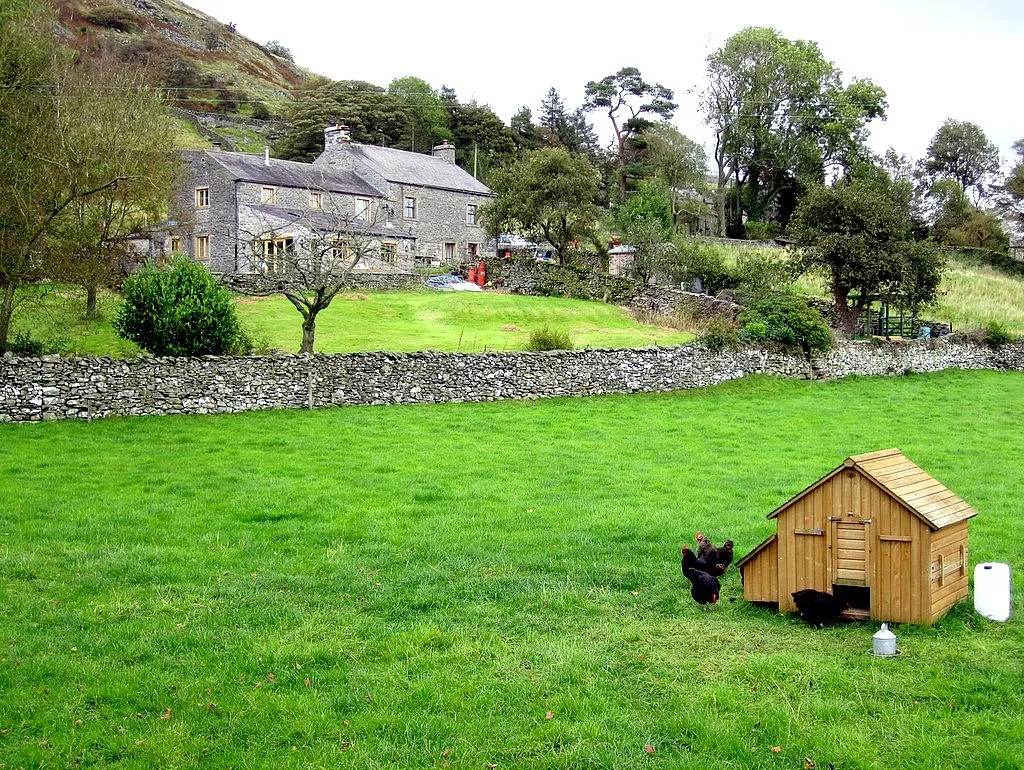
(445, 151)
(336, 133)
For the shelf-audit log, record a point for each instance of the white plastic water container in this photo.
(992, 590)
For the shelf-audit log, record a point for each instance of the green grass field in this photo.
(491, 585)
(396, 321)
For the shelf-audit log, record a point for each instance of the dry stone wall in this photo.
(52, 388)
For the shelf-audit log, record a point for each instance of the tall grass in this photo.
(497, 584)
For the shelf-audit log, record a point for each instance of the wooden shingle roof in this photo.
(925, 497)
(938, 505)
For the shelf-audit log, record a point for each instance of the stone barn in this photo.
(877, 532)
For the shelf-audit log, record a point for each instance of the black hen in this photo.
(704, 587)
(817, 607)
(707, 553)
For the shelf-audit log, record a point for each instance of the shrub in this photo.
(112, 17)
(179, 309)
(549, 339)
(24, 345)
(760, 231)
(720, 334)
(277, 49)
(703, 261)
(996, 335)
(786, 320)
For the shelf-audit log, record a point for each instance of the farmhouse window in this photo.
(409, 208)
(202, 197)
(269, 195)
(274, 254)
(389, 253)
(316, 200)
(175, 244)
(341, 251)
(473, 249)
(363, 208)
(471, 214)
(202, 248)
(449, 252)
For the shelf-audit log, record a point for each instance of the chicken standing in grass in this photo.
(817, 607)
(707, 553)
(704, 588)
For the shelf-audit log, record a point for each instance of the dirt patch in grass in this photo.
(510, 328)
(357, 296)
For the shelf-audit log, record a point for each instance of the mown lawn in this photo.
(491, 585)
(357, 321)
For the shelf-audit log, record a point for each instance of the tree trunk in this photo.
(721, 202)
(847, 315)
(6, 308)
(308, 333)
(90, 301)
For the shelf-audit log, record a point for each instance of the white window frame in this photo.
(409, 204)
(473, 249)
(316, 199)
(202, 197)
(363, 209)
(471, 214)
(202, 248)
(268, 195)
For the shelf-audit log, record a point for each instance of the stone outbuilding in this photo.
(877, 532)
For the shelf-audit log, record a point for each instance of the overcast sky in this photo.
(936, 59)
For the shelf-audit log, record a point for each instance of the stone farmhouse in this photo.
(244, 213)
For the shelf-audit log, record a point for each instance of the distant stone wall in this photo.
(370, 281)
(528, 276)
(53, 388)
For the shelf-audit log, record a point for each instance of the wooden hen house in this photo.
(877, 532)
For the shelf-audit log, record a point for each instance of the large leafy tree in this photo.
(1011, 194)
(681, 165)
(125, 136)
(547, 195)
(60, 150)
(482, 140)
(781, 118)
(372, 115)
(858, 234)
(427, 121)
(633, 105)
(960, 151)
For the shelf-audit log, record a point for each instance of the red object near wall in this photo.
(472, 275)
(481, 274)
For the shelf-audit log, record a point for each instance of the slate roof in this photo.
(326, 222)
(415, 168)
(288, 173)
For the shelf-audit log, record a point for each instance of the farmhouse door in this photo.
(849, 551)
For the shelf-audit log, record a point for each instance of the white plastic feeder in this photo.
(884, 642)
(992, 590)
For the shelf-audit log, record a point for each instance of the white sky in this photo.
(936, 59)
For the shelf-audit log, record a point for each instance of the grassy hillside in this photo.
(464, 586)
(206, 66)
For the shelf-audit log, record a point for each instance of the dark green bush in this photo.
(720, 334)
(24, 345)
(760, 231)
(703, 261)
(549, 339)
(996, 335)
(786, 320)
(179, 309)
